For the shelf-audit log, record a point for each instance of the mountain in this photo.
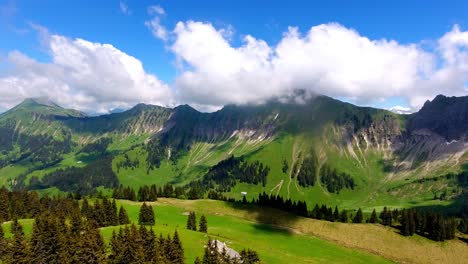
(322, 150)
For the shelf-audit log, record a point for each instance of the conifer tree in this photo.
(123, 216)
(211, 252)
(192, 221)
(336, 214)
(249, 256)
(3, 243)
(358, 217)
(203, 224)
(4, 215)
(177, 252)
(18, 249)
(344, 216)
(373, 217)
(146, 216)
(91, 247)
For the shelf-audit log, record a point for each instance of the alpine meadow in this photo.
(235, 132)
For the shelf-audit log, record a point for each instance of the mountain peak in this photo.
(44, 101)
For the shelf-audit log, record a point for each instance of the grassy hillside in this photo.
(280, 237)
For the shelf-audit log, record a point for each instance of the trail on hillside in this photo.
(278, 186)
(294, 159)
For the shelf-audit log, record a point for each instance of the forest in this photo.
(65, 232)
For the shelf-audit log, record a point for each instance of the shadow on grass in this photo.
(268, 219)
(458, 207)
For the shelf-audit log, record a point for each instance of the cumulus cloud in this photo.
(82, 75)
(328, 59)
(154, 24)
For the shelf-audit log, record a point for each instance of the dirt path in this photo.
(278, 186)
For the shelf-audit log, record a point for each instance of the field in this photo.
(280, 237)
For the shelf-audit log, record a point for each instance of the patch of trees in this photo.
(148, 193)
(432, 225)
(44, 149)
(23, 204)
(53, 240)
(335, 181)
(82, 180)
(215, 255)
(127, 163)
(156, 153)
(140, 245)
(98, 147)
(104, 213)
(227, 172)
(330, 178)
(6, 139)
(192, 223)
(307, 176)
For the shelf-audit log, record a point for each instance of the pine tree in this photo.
(344, 216)
(203, 224)
(3, 243)
(249, 256)
(18, 250)
(373, 217)
(135, 245)
(336, 214)
(192, 221)
(4, 215)
(211, 252)
(358, 217)
(146, 216)
(90, 248)
(177, 252)
(197, 260)
(123, 216)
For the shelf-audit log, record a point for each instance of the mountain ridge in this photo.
(377, 147)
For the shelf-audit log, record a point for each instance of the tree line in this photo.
(434, 226)
(83, 180)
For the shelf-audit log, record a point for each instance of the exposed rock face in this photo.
(446, 116)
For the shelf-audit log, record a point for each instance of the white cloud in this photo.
(82, 75)
(124, 8)
(154, 24)
(400, 109)
(329, 59)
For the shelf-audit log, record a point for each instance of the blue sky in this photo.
(27, 29)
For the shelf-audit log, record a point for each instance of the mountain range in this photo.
(321, 150)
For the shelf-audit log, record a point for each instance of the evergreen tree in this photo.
(90, 247)
(344, 216)
(4, 210)
(336, 214)
(386, 216)
(177, 252)
(203, 224)
(211, 253)
(18, 250)
(146, 216)
(373, 217)
(358, 217)
(3, 243)
(249, 256)
(192, 221)
(123, 216)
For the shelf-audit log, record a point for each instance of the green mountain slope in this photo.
(321, 150)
